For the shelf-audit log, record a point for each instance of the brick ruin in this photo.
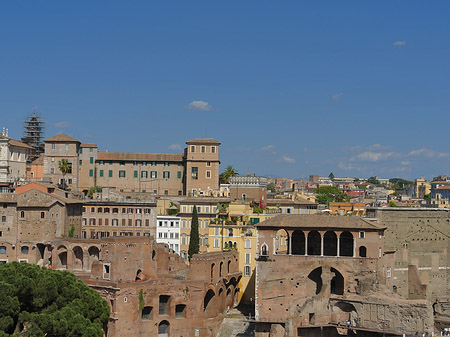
(326, 276)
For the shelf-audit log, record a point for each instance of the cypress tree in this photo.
(194, 244)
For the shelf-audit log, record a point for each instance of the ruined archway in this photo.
(62, 257)
(337, 282)
(212, 271)
(298, 243)
(220, 269)
(94, 255)
(362, 251)
(314, 243)
(281, 242)
(209, 305)
(330, 244)
(316, 277)
(163, 329)
(343, 311)
(77, 258)
(346, 244)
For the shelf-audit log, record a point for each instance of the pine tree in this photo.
(194, 245)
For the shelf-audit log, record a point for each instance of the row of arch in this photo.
(221, 267)
(215, 302)
(75, 258)
(315, 244)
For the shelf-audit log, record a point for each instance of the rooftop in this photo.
(132, 156)
(203, 141)
(62, 137)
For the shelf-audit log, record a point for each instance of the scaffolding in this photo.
(33, 133)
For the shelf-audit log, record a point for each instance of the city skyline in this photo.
(289, 89)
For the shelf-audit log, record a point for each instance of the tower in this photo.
(33, 133)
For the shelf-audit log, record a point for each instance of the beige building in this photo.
(13, 162)
(422, 187)
(102, 219)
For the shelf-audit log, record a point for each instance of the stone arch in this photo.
(220, 269)
(362, 251)
(229, 264)
(209, 304)
(163, 329)
(222, 300)
(94, 255)
(229, 296)
(40, 254)
(316, 277)
(139, 275)
(77, 258)
(62, 257)
(281, 242)
(330, 243)
(314, 243)
(298, 242)
(212, 271)
(343, 311)
(346, 244)
(337, 282)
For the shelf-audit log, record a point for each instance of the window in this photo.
(213, 149)
(388, 272)
(288, 211)
(248, 244)
(166, 174)
(3, 218)
(164, 304)
(216, 243)
(102, 162)
(122, 163)
(91, 160)
(362, 235)
(183, 240)
(153, 163)
(42, 215)
(114, 222)
(195, 173)
(144, 174)
(247, 258)
(53, 146)
(67, 147)
(106, 269)
(153, 174)
(147, 313)
(199, 209)
(135, 174)
(52, 170)
(247, 271)
(121, 174)
(24, 250)
(130, 210)
(53, 159)
(144, 163)
(101, 173)
(203, 149)
(179, 174)
(166, 163)
(91, 173)
(135, 163)
(205, 223)
(208, 174)
(22, 214)
(208, 164)
(192, 148)
(183, 223)
(138, 223)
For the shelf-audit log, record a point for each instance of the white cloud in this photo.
(375, 156)
(427, 153)
(287, 159)
(405, 163)
(337, 97)
(175, 147)
(399, 43)
(199, 106)
(267, 147)
(62, 125)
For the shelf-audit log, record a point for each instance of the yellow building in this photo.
(346, 208)
(234, 229)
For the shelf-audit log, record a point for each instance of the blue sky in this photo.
(290, 88)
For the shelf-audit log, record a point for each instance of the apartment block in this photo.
(168, 231)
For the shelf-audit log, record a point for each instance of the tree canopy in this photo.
(37, 302)
(224, 177)
(399, 183)
(65, 167)
(194, 243)
(327, 194)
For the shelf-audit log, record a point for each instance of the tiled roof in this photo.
(62, 137)
(39, 160)
(203, 200)
(289, 202)
(18, 143)
(131, 156)
(319, 221)
(203, 141)
(88, 145)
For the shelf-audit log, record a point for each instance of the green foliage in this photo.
(224, 177)
(373, 180)
(141, 300)
(271, 187)
(194, 240)
(44, 302)
(258, 210)
(427, 196)
(400, 184)
(94, 189)
(392, 204)
(327, 194)
(71, 231)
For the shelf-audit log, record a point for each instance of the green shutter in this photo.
(91, 160)
(135, 174)
(110, 173)
(91, 173)
(101, 173)
(179, 174)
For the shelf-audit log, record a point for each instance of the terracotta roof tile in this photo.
(62, 137)
(18, 143)
(130, 156)
(88, 145)
(203, 141)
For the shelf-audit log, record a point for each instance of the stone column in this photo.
(306, 244)
(290, 244)
(338, 245)
(321, 244)
(354, 247)
(85, 260)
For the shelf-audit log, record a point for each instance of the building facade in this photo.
(168, 231)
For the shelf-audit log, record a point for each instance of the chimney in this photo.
(6, 133)
(3, 133)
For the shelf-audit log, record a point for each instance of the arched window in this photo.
(330, 244)
(298, 243)
(281, 242)
(346, 244)
(163, 329)
(212, 271)
(264, 250)
(362, 251)
(314, 243)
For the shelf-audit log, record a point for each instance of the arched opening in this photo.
(153, 254)
(139, 275)
(222, 302)
(343, 311)
(62, 260)
(78, 258)
(212, 271)
(362, 251)
(229, 297)
(208, 305)
(264, 250)
(346, 244)
(330, 244)
(94, 255)
(298, 242)
(314, 243)
(163, 329)
(180, 310)
(337, 282)
(229, 264)
(281, 242)
(40, 254)
(220, 269)
(316, 277)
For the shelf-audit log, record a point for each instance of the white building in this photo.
(168, 231)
